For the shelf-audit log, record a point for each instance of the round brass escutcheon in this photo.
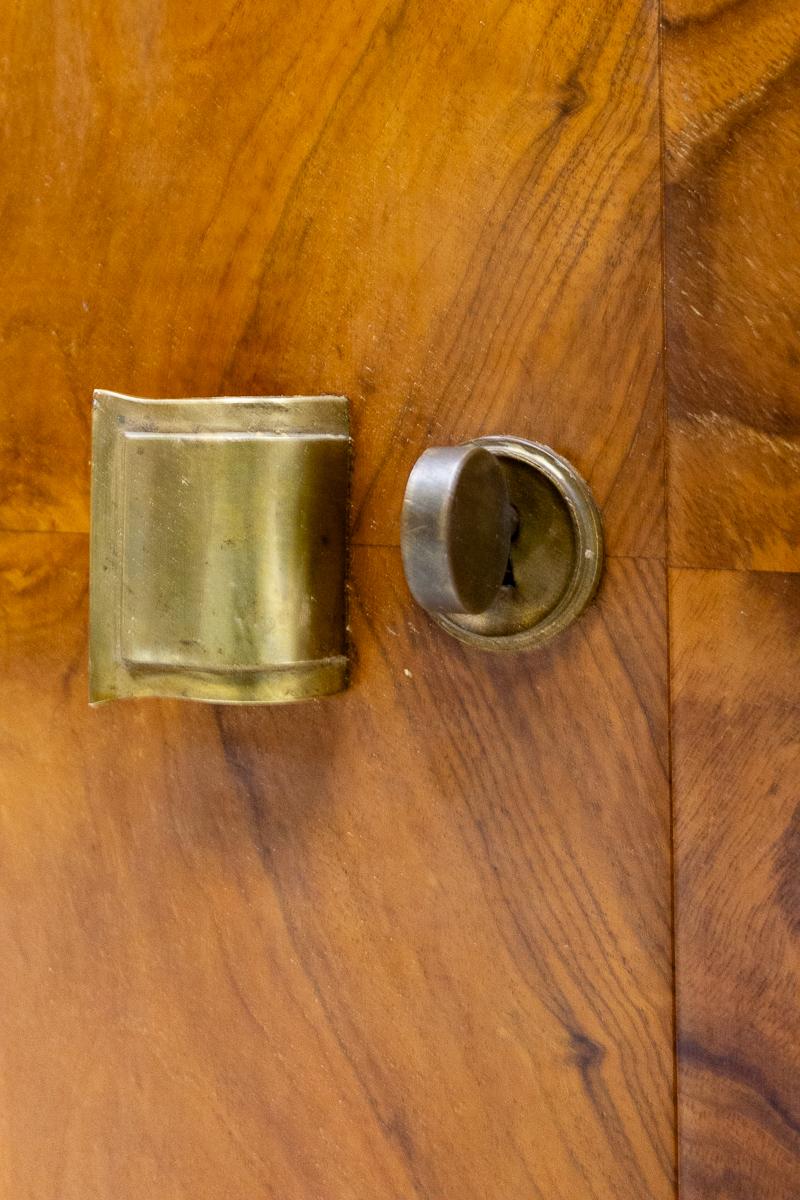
(556, 554)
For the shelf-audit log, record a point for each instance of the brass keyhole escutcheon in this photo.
(502, 541)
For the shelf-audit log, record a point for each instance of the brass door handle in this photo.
(218, 548)
(457, 527)
(501, 540)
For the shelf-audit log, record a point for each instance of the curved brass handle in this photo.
(457, 527)
(218, 549)
(501, 540)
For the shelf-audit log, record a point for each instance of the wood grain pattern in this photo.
(731, 81)
(736, 777)
(732, 118)
(413, 941)
(450, 214)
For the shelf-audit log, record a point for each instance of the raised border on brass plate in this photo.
(219, 548)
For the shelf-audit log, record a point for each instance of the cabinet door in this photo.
(412, 941)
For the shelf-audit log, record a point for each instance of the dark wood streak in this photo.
(709, 155)
(736, 1071)
(392, 1125)
(591, 917)
(731, 105)
(675, 19)
(736, 774)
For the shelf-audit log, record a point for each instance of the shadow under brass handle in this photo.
(501, 540)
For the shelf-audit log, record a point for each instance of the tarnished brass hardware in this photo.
(457, 526)
(218, 548)
(553, 555)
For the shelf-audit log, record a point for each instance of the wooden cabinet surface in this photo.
(417, 940)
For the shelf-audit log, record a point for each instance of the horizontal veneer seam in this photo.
(84, 533)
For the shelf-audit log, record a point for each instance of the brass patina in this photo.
(218, 548)
(554, 556)
(457, 528)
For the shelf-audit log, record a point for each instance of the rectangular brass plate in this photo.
(218, 548)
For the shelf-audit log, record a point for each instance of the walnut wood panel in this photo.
(736, 740)
(449, 213)
(413, 941)
(732, 117)
(731, 82)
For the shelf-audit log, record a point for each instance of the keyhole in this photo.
(508, 578)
